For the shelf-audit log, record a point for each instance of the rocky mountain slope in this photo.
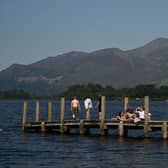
(110, 66)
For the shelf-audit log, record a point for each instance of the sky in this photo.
(32, 30)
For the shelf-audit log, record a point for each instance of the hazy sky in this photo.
(31, 30)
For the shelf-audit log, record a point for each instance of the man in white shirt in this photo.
(88, 105)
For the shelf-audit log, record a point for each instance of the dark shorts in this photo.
(75, 110)
(99, 108)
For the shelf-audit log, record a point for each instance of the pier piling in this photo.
(121, 129)
(25, 110)
(125, 103)
(43, 127)
(50, 111)
(164, 130)
(37, 111)
(146, 123)
(62, 115)
(88, 114)
(102, 126)
(81, 127)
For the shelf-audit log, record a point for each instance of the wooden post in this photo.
(164, 130)
(37, 111)
(81, 127)
(88, 114)
(43, 129)
(102, 130)
(125, 103)
(50, 111)
(146, 123)
(121, 129)
(25, 109)
(88, 118)
(62, 115)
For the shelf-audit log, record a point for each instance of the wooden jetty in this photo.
(84, 125)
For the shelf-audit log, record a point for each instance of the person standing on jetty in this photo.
(88, 105)
(98, 105)
(75, 107)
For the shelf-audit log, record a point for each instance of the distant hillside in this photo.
(111, 66)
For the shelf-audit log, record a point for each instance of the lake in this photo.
(28, 150)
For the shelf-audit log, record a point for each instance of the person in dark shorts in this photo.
(98, 105)
(75, 107)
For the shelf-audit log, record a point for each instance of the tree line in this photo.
(14, 94)
(139, 91)
(93, 90)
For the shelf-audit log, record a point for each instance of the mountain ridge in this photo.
(108, 66)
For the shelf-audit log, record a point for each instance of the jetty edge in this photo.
(84, 125)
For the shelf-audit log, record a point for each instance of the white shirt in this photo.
(88, 103)
(141, 114)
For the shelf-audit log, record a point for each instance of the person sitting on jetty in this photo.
(141, 112)
(120, 117)
(129, 109)
(132, 117)
(130, 113)
(75, 107)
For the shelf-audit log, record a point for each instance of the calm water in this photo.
(29, 150)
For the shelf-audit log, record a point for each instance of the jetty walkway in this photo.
(63, 126)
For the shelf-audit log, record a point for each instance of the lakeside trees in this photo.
(92, 90)
(14, 94)
(139, 91)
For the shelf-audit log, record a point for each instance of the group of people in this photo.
(75, 106)
(132, 115)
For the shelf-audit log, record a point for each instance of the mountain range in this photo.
(109, 66)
